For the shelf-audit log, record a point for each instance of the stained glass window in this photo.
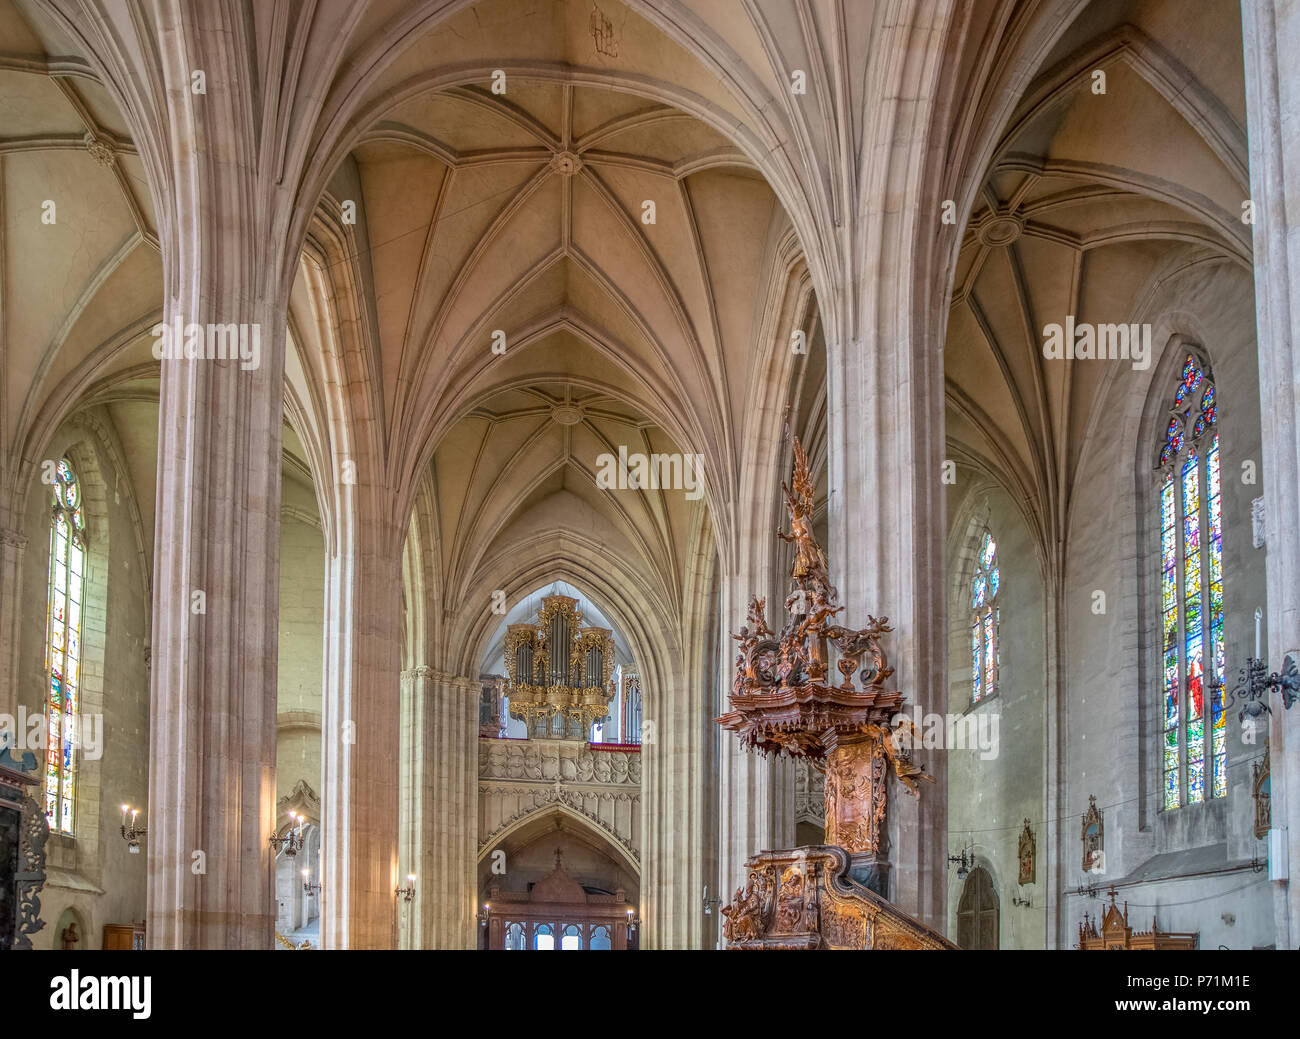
(1193, 744)
(984, 620)
(63, 647)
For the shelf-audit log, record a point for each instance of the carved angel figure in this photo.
(810, 560)
(907, 771)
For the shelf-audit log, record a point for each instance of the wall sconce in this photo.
(632, 922)
(308, 887)
(291, 842)
(709, 903)
(406, 893)
(131, 833)
(965, 861)
(483, 913)
(1253, 683)
(1024, 903)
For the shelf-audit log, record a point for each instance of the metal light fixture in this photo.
(291, 842)
(309, 887)
(406, 893)
(965, 861)
(132, 833)
(709, 903)
(1254, 681)
(483, 914)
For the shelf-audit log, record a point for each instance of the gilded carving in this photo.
(1261, 789)
(1093, 837)
(746, 918)
(844, 928)
(807, 899)
(1027, 855)
(537, 696)
(782, 702)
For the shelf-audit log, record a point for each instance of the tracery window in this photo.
(63, 647)
(984, 621)
(1193, 760)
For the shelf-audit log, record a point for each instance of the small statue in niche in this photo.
(1028, 855)
(1094, 856)
(69, 936)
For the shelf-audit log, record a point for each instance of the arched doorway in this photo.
(554, 883)
(977, 912)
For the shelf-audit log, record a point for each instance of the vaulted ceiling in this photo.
(81, 274)
(547, 276)
(1124, 163)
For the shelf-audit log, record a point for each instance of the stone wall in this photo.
(995, 781)
(518, 778)
(302, 625)
(93, 874)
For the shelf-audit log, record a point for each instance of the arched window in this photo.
(1191, 594)
(63, 647)
(984, 620)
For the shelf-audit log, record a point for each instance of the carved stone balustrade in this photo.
(518, 778)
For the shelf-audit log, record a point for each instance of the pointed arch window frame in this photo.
(1189, 614)
(64, 651)
(986, 617)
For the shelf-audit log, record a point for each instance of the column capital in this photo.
(13, 539)
(433, 674)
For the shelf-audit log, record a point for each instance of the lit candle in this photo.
(124, 811)
(1259, 614)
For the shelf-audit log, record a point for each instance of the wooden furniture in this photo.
(124, 936)
(807, 898)
(1115, 933)
(556, 908)
(785, 701)
(23, 833)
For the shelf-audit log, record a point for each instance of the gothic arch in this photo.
(594, 830)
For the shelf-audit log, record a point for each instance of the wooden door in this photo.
(977, 912)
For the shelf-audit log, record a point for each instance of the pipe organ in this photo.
(559, 671)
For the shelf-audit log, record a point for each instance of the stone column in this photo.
(1271, 34)
(675, 712)
(443, 785)
(216, 588)
(360, 730)
(885, 415)
(13, 545)
(756, 793)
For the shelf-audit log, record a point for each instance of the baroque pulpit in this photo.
(785, 700)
